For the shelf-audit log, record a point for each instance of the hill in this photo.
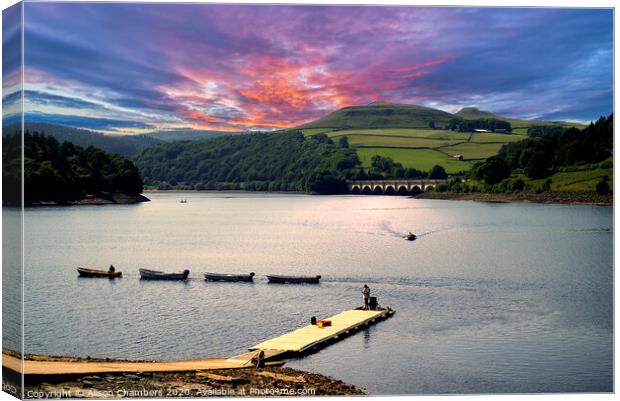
(187, 135)
(286, 161)
(472, 113)
(382, 115)
(404, 134)
(555, 159)
(126, 145)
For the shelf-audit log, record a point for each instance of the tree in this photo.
(413, 173)
(325, 182)
(438, 173)
(322, 138)
(518, 185)
(343, 142)
(492, 170)
(602, 187)
(537, 165)
(58, 171)
(431, 125)
(384, 164)
(442, 187)
(360, 175)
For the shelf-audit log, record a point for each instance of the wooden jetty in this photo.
(295, 343)
(45, 367)
(311, 338)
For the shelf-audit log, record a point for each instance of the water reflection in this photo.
(494, 298)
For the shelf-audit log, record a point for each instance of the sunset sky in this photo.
(137, 67)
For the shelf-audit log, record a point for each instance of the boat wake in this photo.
(427, 233)
(389, 230)
(387, 227)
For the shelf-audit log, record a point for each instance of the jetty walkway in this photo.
(295, 343)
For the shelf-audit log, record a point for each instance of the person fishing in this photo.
(111, 269)
(366, 294)
(258, 360)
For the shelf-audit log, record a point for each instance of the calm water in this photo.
(490, 298)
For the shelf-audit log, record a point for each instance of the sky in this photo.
(131, 68)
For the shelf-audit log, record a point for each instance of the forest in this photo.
(54, 170)
(265, 162)
(548, 150)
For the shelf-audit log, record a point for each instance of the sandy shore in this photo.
(97, 199)
(569, 198)
(248, 381)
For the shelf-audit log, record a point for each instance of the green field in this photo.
(473, 150)
(519, 131)
(388, 132)
(397, 142)
(421, 148)
(575, 180)
(421, 159)
(405, 132)
(486, 137)
(402, 133)
(314, 131)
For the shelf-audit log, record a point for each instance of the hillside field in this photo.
(575, 180)
(422, 148)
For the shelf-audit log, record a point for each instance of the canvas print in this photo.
(261, 200)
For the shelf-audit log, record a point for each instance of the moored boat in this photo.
(229, 277)
(85, 272)
(410, 237)
(293, 279)
(147, 274)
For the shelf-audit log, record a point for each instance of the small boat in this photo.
(147, 274)
(293, 279)
(410, 237)
(229, 277)
(183, 201)
(84, 272)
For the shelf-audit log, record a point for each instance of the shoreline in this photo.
(563, 198)
(115, 198)
(245, 191)
(247, 381)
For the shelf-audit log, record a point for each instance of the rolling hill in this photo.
(186, 135)
(126, 145)
(472, 113)
(287, 161)
(403, 133)
(382, 115)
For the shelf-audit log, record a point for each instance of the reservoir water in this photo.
(491, 298)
